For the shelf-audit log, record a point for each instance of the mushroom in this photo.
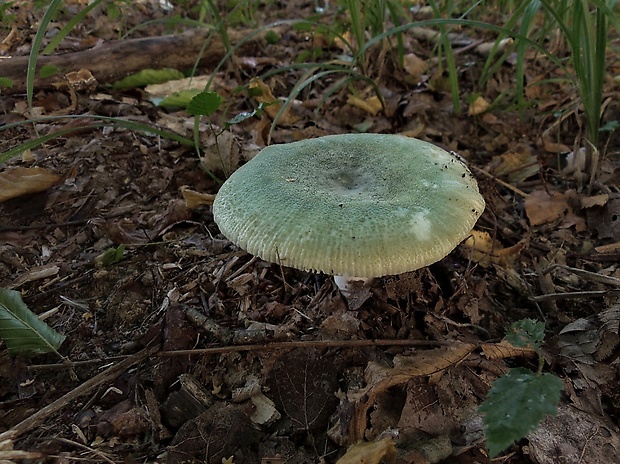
(352, 205)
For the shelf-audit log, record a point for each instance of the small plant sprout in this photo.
(363, 205)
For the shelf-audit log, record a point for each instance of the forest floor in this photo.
(283, 369)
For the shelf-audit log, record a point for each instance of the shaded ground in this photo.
(297, 376)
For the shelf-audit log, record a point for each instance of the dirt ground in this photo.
(187, 349)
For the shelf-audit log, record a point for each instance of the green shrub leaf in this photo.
(526, 333)
(516, 403)
(22, 331)
(204, 104)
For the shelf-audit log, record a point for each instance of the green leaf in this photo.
(245, 115)
(6, 82)
(112, 255)
(148, 76)
(48, 70)
(22, 331)
(178, 100)
(204, 104)
(526, 333)
(516, 403)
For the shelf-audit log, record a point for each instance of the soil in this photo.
(184, 348)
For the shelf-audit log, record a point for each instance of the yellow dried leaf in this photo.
(504, 349)
(478, 106)
(482, 249)
(272, 104)
(415, 66)
(21, 181)
(517, 165)
(195, 199)
(371, 105)
(370, 453)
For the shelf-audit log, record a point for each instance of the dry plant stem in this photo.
(258, 347)
(501, 182)
(76, 444)
(571, 295)
(42, 414)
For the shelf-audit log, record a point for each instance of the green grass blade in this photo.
(49, 49)
(107, 121)
(21, 330)
(36, 47)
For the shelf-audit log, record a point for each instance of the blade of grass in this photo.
(35, 49)
(49, 49)
(109, 121)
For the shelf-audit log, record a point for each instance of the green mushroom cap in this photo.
(363, 205)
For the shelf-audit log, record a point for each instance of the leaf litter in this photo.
(289, 380)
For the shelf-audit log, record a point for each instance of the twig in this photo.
(42, 414)
(501, 182)
(567, 295)
(256, 347)
(303, 344)
(82, 446)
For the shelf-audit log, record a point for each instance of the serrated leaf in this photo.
(22, 331)
(204, 104)
(148, 76)
(516, 404)
(526, 333)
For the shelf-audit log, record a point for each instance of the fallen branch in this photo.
(42, 414)
(115, 60)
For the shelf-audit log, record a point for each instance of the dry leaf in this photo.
(596, 200)
(221, 153)
(478, 106)
(415, 66)
(518, 164)
(195, 199)
(21, 181)
(504, 349)
(370, 453)
(541, 207)
(482, 249)
(380, 378)
(272, 104)
(371, 105)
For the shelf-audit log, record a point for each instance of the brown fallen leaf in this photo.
(21, 181)
(380, 378)
(478, 106)
(195, 199)
(371, 105)
(505, 349)
(272, 104)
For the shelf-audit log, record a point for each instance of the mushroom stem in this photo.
(349, 285)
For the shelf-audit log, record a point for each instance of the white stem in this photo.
(350, 284)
